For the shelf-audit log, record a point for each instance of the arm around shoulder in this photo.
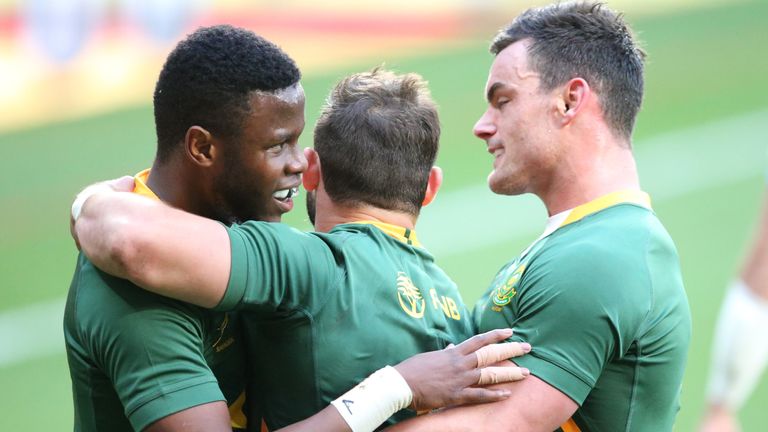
(161, 249)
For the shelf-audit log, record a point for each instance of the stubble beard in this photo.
(502, 183)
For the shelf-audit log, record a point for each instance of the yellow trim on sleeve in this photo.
(570, 426)
(236, 415)
(626, 196)
(140, 185)
(405, 235)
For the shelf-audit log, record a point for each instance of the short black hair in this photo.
(587, 40)
(377, 139)
(207, 80)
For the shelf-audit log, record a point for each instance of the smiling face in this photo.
(260, 174)
(518, 125)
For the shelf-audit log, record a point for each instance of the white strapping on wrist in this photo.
(739, 352)
(374, 400)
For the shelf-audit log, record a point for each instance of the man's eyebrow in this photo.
(282, 135)
(492, 90)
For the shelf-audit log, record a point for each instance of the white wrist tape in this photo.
(82, 197)
(374, 400)
(739, 349)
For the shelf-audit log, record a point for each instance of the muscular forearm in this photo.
(424, 381)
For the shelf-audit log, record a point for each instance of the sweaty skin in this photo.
(291, 95)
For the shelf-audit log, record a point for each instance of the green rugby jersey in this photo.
(324, 310)
(600, 298)
(136, 357)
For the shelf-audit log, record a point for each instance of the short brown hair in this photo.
(587, 40)
(377, 139)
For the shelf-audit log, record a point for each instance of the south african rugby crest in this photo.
(506, 285)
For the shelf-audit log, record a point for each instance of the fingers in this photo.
(492, 354)
(476, 342)
(476, 395)
(501, 374)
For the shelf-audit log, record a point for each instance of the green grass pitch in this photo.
(700, 151)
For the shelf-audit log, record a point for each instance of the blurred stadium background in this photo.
(76, 79)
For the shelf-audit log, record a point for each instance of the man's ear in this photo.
(200, 146)
(572, 99)
(433, 184)
(312, 176)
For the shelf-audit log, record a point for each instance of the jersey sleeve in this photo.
(578, 310)
(150, 348)
(275, 267)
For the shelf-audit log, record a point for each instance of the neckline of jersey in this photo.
(140, 185)
(403, 234)
(567, 217)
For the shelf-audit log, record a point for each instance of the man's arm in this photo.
(435, 379)
(121, 184)
(533, 405)
(210, 417)
(161, 249)
(459, 369)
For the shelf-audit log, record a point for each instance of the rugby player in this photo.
(599, 295)
(324, 309)
(228, 111)
(143, 362)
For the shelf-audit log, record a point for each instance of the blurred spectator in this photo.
(162, 20)
(740, 348)
(61, 27)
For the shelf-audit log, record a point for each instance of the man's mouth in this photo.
(286, 194)
(496, 152)
(495, 149)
